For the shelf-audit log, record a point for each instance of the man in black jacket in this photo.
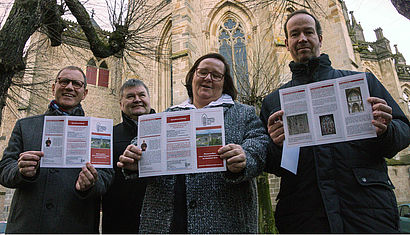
(341, 187)
(122, 204)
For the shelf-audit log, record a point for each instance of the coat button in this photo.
(364, 180)
(49, 205)
(192, 204)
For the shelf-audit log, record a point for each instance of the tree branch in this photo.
(98, 47)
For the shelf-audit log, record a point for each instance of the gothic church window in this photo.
(103, 75)
(232, 45)
(406, 97)
(97, 74)
(91, 72)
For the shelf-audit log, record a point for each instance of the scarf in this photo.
(55, 109)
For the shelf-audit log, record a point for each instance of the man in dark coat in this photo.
(123, 201)
(52, 200)
(341, 187)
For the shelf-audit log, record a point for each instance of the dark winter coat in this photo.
(47, 202)
(121, 205)
(341, 187)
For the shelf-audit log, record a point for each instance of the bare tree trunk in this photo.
(5, 82)
(19, 26)
(266, 223)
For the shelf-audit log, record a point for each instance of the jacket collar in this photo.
(131, 122)
(76, 111)
(303, 73)
(224, 100)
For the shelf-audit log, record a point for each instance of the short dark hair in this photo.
(303, 11)
(228, 88)
(132, 83)
(72, 67)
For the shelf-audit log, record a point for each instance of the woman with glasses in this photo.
(217, 202)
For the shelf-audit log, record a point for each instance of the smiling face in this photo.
(135, 101)
(68, 97)
(205, 90)
(303, 42)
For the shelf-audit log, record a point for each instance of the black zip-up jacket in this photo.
(121, 205)
(341, 187)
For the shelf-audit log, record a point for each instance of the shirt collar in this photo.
(224, 99)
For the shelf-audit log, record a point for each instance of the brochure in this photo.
(71, 141)
(181, 142)
(329, 111)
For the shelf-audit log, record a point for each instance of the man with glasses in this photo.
(52, 200)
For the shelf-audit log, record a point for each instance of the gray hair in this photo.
(132, 83)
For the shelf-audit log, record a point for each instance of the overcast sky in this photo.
(373, 14)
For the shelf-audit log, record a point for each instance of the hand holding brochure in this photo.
(329, 111)
(181, 142)
(71, 141)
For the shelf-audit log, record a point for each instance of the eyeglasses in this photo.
(203, 73)
(65, 81)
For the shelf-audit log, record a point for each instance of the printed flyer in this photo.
(71, 141)
(181, 142)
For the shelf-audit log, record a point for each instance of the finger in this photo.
(134, 149)
(381, 114)
(276, 129)
(88, 176)
(131, 154)
(84, 180)
(28, 157)
(382, 108)
(37, 153)
(28, 171)
(23, 164)
(127, 163)
(229, 150)
(380, 127)
(126, 160)
(279, 140)
(278, 135)
(376, 100)
(379, 124)
(237, 167)
(131, 167)
(382, 117)
(92, 170)
(80, 183)
(224, 149)
(77, 186)
(236, 159)
(275, 117)
(120, 164)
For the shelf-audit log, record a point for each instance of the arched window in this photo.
(103, 75)
(164, 83)
(91, 72)
(406, 97)
(232, 46)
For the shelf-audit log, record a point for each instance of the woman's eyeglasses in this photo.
(203, 73)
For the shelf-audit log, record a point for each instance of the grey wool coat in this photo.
(47, 202)
(221, 202)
